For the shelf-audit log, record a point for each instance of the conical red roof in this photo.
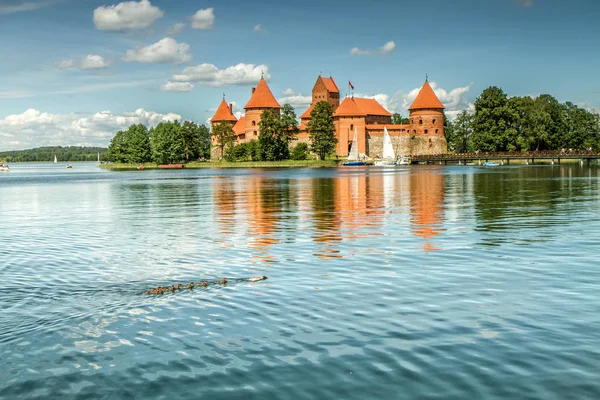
(426, 99)
(262, 97)
(223, 113)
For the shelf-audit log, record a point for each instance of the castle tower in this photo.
(325, 89)
(426, 116)
(262, 99)
(224, 113)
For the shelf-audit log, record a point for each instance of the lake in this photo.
(437, 282)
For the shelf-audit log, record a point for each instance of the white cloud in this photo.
(203, 19)
(175, 30)
(34, 128)
(126, 15)
(297, 100)
(454, 100)
(259, 28)
(210, 75)
(21, 6)
(385, 49)
(166, 50)
(177, 87)
(93, 61)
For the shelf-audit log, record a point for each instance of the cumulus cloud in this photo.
(259, 28)
(297, 100)
(210, 75)
(91, 61)
(34, 128)
(127, 15)
(454, 100)
(166, 50)
(177, 87)
(203, 19)
(385, 49)
(525, 3)
(175, 30)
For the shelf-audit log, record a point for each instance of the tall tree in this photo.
(321, 130)
(398, 120)
(204, 134)
(272, 142)
(494, 121)
(167, 143)
(131, 146)
(463, 130)
(190, 134)
(224, 135)
(289, 123)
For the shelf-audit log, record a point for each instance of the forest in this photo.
(63, 154)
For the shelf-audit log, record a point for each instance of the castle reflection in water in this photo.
(257, 212)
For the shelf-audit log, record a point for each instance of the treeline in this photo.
(169, 142)
(276, 132)
(63, 154)
(501, 123)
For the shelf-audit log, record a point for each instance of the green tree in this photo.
(190, 134)
(462, 132)
(131, 146)
(321, 130)
(289, 123)
(299, 152)
(272, 142)
(398, 120)
(204, 134)
(167, 143)
(494, 121)
(117, 148)
(224, 135)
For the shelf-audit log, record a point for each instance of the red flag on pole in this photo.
(350, 83)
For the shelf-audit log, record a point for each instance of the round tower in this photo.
(426, 127)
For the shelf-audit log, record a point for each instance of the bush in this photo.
(242, 152)
(300, 152)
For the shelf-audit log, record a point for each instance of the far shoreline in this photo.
(236, 164)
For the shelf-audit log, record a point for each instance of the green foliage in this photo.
(247, 151)
(321, 130)
(289, 123)
(272, 142)
(64, 154)
(224, 135)
(397, 119)
(494, 121)
(204, 141)
(168, 145)
(190, 134)
(458, 134)
(299, 152)
(130, 146)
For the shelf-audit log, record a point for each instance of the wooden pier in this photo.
(504, 158)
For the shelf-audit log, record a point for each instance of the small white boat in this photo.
(353, 158)
(4, 167)
(403, 160)
(388, 157)
(69, 166)
(490, 164)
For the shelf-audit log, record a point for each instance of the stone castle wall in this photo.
(407, 145)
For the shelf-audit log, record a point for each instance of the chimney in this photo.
(253, 89)
(231, 107)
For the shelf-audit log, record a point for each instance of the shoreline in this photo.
(236, 164)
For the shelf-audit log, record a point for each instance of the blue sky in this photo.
(76, 71)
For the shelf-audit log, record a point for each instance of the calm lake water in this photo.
(411, 282)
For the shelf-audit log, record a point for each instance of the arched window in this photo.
(436, 131)
(434, 121)
(420, 122)
(352, 127)
(253, 123)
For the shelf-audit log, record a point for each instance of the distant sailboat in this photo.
(55, 161)
(98, 157)
(353, 156)
(388, 157)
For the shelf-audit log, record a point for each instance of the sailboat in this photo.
(353, 159)
(388, 157)
(55, 159)
(98, 158)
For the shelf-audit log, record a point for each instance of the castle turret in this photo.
(262, 99)
(426, 116)
(224, 113)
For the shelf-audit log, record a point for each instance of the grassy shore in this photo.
(239, 164)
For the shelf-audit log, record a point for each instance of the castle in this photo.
(424, 134)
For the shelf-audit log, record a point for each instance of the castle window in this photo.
(255, 134)
(242, 136)
(253, 123)
(434, 121)
(420, 122)
(436, 131)
(352, 127)
(426, 132)
(412, 121)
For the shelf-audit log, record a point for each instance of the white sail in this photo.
(55, 159)
(353, 156)
(388, 147)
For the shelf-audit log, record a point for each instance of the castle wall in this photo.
(427, 122)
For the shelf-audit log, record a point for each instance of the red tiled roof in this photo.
(306, 113)
(262, 97)
(240, 126)
(330, 84)
(223, 113)
(426, 99)
(360, 107)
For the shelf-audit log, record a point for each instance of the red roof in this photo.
(426, 99)
(223, 113)
(240, 126)
(306, 113)
(360, 107)
(262, 97)
(330, 84)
